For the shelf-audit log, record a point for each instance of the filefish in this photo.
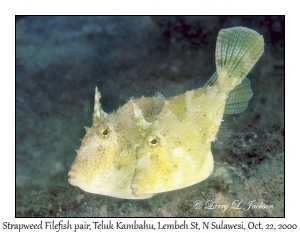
(157, 144)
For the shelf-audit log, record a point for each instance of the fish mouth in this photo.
(72, 180)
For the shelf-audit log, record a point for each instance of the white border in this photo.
(7, 99)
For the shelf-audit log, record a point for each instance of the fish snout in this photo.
(72, 180)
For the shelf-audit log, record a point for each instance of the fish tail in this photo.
(237, 51)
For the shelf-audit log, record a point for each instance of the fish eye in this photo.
(104, 132)
(153, 141)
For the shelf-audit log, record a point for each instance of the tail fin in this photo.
(237, 51)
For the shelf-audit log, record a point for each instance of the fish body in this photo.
(153, 145)
(177, 150)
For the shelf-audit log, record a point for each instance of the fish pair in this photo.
(156, 144)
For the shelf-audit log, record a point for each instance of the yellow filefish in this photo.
(105, 162)
(153, 145)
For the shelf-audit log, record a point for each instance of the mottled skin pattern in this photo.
(152, 145)
(105, 164)
(182, 156)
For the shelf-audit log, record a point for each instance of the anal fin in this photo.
(224, 134)
(237, 100)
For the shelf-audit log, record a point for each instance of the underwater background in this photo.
(60, 60)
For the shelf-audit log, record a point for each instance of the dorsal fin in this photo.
(211, 81)
(166, 88)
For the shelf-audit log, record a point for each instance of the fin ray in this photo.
(237, 51)
(212, 80)
(224, 133)
(237, 100)
(167, 88)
